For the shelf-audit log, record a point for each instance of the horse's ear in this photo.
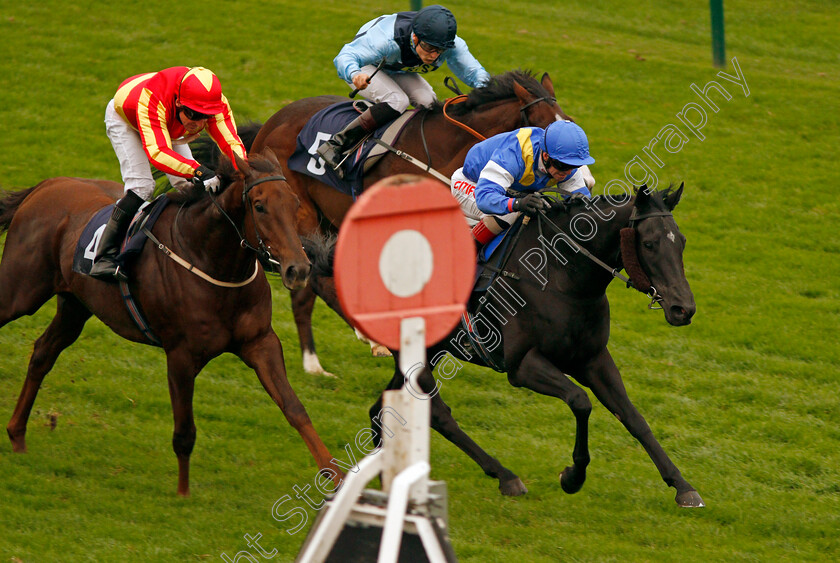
(242, 165)
(673, 198)
(524, 95)
(270, 156)
(547, 84)
(642, 196)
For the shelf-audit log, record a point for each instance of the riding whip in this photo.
(378, 67)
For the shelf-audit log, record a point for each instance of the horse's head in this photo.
(493, 107)
(270, 222)
(538, 105)
(659, 245)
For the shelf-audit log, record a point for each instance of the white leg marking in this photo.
(312, 365)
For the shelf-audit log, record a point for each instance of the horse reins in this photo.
(427, 167)
(476, 134)
(635, 281)
(263, 251)
(467, 128)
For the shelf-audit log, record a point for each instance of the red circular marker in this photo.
(404, 250)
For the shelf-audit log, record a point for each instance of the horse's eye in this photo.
(648, 245)
(259, 207)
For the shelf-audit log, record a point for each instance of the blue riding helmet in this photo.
(436, 26)
(565, 141)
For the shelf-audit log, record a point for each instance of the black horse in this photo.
(549, 318)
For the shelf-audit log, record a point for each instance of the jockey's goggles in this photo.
(430, 48)
(559, 166)
(193, 115)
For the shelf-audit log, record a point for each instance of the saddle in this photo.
(130, 249)
(134, 240)
(330, 120)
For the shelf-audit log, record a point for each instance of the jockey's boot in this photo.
(369, 121)
(105, 266)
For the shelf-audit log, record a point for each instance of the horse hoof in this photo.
(568, 481)
(380, 351)
(18, 443)
(690, 499)
(513, 488)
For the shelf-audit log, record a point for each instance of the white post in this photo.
(409, 443)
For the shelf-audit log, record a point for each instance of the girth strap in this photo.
(137, 315)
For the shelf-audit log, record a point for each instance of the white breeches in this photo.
(464, 191)
(398, 90)
(134, 164)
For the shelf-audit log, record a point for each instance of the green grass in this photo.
(745, 400)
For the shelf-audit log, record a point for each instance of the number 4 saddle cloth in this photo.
(134, 240)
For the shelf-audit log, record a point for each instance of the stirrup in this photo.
(110, 270)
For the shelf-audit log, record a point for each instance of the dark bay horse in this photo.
(194, 319)
(549, 317)
(510, 100)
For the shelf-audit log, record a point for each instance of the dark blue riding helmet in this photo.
(436, 26)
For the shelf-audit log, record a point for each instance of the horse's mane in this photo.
(567, 205)
(227, 174)
(500, 87)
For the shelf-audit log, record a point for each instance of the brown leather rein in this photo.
(476, 134)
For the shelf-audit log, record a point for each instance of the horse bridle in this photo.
(262, 250)
(547, 99)
(635, 217)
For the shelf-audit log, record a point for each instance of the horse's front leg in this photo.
(181, 372)
(602, 376)
(265, 356)
(537, 373)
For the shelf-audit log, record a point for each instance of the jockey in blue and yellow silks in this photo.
(526, 160)
(408, 44)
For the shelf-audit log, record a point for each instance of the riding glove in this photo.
(206, 178)
(530, 204)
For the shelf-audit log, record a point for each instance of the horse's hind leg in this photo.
(537, 373)
(303, 301)
(444, 424)
(64, 329)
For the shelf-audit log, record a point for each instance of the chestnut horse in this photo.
(548, 316)
(510, 100)
(194, 319)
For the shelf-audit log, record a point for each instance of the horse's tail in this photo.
(206, 151)
(9, 203)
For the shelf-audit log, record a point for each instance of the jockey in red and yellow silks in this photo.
(147, 103)
(151, 119)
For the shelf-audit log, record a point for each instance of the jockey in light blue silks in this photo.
(410, 43)
(526, 160)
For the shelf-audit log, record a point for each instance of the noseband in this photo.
(630, 258)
